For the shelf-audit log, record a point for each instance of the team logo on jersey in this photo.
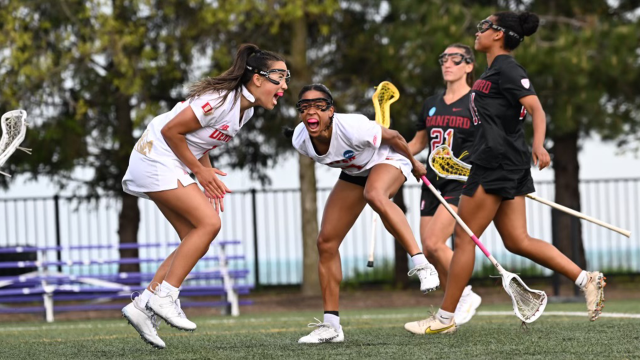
(432, 111)
(207, 108)
(348, 154)
(525, 83)
(224, 127)
(375, 139)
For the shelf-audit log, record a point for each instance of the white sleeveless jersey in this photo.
(219, 125)
(355, 144)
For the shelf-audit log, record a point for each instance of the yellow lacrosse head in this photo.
(385, 95)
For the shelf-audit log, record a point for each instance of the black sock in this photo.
(336, 313)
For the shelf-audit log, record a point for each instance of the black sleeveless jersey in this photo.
(446, 124)
(499, 117)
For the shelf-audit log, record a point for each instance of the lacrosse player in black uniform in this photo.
(445, 119)
(501, 174)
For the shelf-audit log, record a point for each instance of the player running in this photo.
(375, 162)
(445, 119)
(501, 172)
(176, 144)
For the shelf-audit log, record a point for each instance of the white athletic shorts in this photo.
(400, 162)
(145, 174)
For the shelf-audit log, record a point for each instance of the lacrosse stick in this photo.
(14, 128)
(442, 161)
(385, 95)
(528, 304)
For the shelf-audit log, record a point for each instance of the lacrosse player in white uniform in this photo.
(176, 144)
(375, 162)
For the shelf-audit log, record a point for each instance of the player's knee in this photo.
(211, 227)
(516, 245)
(375, 199)
(326, 244)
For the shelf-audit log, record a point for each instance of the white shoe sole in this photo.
(157, 346)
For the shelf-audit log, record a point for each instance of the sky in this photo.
(598, 160)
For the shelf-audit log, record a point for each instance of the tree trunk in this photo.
(567, 230)
(129, 217)
(401, 264)
(307, 173)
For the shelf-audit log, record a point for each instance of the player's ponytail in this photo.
(288, 132)
(238, 75)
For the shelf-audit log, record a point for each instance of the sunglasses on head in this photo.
(485, 25)
(321, 104)
(275, 76)
(456, 58)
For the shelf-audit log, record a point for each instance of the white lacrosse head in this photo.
(14, 129)
(528, 304)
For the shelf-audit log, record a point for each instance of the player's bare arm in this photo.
(174, 134)
(419, 142)
(539, 153)
(399, 144)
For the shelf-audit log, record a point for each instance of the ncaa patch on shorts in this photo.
(348, 154)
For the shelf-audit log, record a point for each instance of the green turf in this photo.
(370, 334)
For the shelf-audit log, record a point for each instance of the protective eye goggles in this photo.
(321, 104)
(485, 25)
(275, 76)
(456, 58)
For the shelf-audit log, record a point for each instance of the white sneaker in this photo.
(428, 277)
(168, 308)
(467, 305)
(430, 326)
(145, 322)
(324, 333)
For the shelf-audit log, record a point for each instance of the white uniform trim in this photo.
(154, 167)
(355, 146)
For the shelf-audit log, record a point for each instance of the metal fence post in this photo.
(256, 267)
(56, 204)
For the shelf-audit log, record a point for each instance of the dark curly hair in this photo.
(523, 24)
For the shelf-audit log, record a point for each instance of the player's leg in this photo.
(476, 211)
(511, 223)
(384, 181)
(344, 205)
(191, 203)
(142, 319)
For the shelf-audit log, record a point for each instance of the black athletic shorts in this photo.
(450, 191)
(499, 181)
(357, 180)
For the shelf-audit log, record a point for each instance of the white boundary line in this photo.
(304, 318)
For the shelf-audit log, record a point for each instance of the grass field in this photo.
(369, 334)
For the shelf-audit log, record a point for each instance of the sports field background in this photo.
(269, 331)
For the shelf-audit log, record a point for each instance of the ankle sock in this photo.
(144, 297)
(333, 319)
(582, 280)
(444, 317)
(165, 289)
(419, 259)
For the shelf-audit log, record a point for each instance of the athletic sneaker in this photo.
(430, 326)
(168, 308)
(594, 293)
(323, 333)
(428, 277)
(145, 323)
(467, 305)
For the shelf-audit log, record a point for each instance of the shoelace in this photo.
(429, 270)
(321, 326)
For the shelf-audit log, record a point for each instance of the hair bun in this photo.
(529, 22)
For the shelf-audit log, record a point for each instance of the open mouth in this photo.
(276, 97)
(313, 124)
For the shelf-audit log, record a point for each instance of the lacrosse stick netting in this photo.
(385, 95)
(14, 128)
